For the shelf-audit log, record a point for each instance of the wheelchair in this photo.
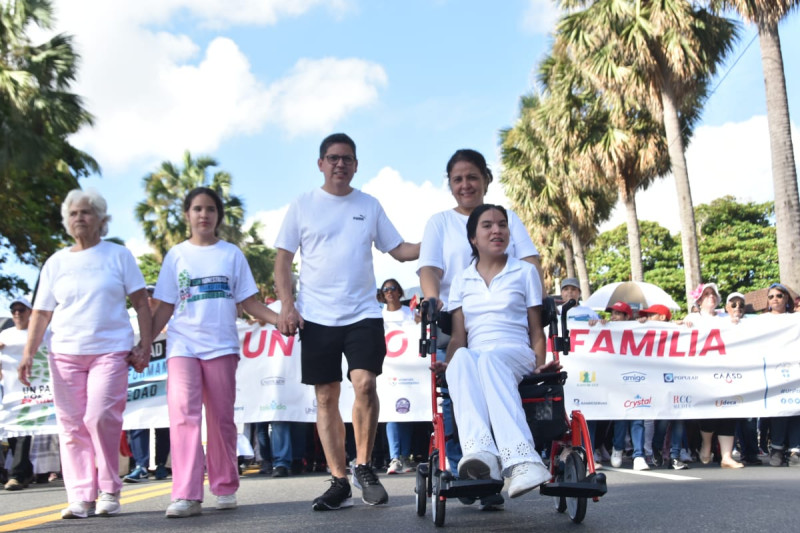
(573, 477)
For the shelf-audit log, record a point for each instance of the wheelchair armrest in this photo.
(547, 377)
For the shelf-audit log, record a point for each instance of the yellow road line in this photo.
(128, 496)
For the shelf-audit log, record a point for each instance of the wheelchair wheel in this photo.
(561, 503)
(421, 490)
(575, 472)
(437, 503)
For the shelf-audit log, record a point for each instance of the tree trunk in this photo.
(784, 171)
(677, 157)
(569, 259)
(580, 260)
(634, 238)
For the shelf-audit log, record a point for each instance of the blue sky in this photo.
(258, 83)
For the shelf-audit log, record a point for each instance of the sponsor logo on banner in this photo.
(682, 401)
(273, 380)
(670, 377)
(728, 377)
(587, 379)
(313, 408)
(395, 381)
(731, 401)
(638, 402)
(273, 406)
(634, 377)
(578, 402)
(402, 406)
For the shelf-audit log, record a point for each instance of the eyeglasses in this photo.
(18, 310)
(334, 159)
(389, 288)
(736, 305)
(778, 295)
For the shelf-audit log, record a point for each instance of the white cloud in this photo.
(541, 16)
(155, 93)
(732, 159)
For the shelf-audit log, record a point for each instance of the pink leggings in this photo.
(90, 392)
(192, 383)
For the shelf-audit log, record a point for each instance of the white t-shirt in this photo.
(399, 317)
(86, 292)
(204, 283)
(582, 313)
(335, 236)
(497, 314)
(445, 246)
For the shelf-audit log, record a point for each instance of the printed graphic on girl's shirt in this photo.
(211, 287)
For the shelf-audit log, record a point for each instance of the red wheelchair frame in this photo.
(571, 455)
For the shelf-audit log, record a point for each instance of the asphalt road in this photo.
(703, 498)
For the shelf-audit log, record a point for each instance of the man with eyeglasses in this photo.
(12, 341)
(335, 227)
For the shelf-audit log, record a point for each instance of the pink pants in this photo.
(90, 392)
(192, 383)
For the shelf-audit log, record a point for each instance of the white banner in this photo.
(657, 370)
(622, 370)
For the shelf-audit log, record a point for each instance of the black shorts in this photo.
(363, 343)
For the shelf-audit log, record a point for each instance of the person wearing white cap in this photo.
(12, 341)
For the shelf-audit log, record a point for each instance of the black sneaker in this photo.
(776, 458)
(280, 471)
(338, 496)
(658, 459)
(372, 492)
(677, 464)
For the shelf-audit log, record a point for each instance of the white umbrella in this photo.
(637, 294)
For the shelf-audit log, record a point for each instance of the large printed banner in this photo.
(656, 370)
(622, 370)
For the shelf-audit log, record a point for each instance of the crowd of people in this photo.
(477, 260)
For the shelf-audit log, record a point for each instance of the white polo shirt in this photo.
(497, 314)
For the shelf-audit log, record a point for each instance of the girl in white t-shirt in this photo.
(201, 282)
(495, 305)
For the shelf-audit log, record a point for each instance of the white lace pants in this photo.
(484, 388)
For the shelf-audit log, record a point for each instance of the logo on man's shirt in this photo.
(360, 217)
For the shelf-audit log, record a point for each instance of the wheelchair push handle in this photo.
(430, 317)
(561, 342)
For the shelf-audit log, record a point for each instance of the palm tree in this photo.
(654, 52)
(161, 213)
(766, 14)
(38, 113)
(546, 182)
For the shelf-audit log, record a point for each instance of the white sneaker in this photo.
(395, 466)
(526, 477)
(182, 508)
(78, 510)
(616, 458)
(640, 464)
(226, 501)
(685, 456)
(108, 504)
(480, 465)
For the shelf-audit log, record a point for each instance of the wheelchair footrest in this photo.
(593, 487)
(470, 488)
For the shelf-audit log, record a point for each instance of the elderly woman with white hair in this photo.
(81, 296)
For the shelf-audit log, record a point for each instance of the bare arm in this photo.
(257, 310)
(430, 280)
(288, 319)
(139, 357)
(536, 261)
(162, 315)
(36, 328)
(405, 252)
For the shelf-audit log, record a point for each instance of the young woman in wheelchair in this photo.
(497, 339)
